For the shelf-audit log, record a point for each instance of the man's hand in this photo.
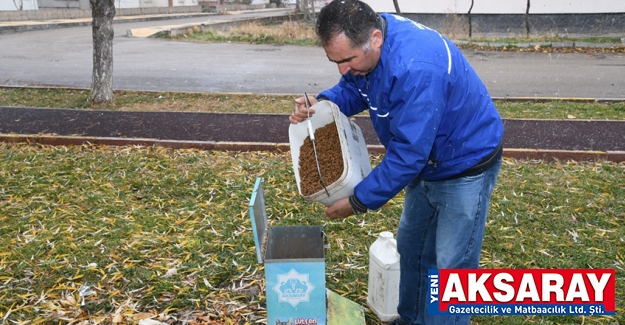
(340, 209)
(299, 113)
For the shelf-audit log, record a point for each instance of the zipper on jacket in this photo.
(434, 164)
(432, 160)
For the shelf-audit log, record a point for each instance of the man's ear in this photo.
(377, 38)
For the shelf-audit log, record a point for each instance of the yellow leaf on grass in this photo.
(140, 316)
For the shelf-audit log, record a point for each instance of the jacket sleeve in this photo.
(417, 101)
(346, 96)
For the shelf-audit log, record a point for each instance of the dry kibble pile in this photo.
(330, 160)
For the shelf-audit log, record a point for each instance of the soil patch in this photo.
(330, 158)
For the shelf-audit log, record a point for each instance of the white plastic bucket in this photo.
(356, 164)
(383, 286)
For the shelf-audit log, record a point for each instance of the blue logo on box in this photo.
(293, 287)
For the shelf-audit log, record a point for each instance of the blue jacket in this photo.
(429, 109)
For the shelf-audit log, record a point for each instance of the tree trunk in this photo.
(396, 7)
(103, 12)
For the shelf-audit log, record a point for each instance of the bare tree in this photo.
(396, 6)
(470, 23)
(527, 20)
(103, 12)
(19, 4)
(305, 8)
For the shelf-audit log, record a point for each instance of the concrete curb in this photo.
(514, 153)
(576, 155)
(560, 99)
(555, 45)
(508, 99)
(143, 142)
(25, 26)
(174, 30)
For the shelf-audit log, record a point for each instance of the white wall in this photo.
(157, 3)
(178, 3)
(442, 6)
(126, 3)
(576, 6)
(150, 3)
(499, 6)
(377, 5)
(9, 5)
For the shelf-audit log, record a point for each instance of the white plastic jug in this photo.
(383, 295)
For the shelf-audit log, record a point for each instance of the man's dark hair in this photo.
(352, 17)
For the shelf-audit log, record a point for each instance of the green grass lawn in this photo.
(165, 233)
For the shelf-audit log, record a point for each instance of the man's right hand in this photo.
(299, 113)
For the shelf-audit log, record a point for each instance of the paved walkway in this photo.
(506, 75)
(42, 58)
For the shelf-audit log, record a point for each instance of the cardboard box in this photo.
(294, 261)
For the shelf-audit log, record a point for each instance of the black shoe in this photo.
(397, 321)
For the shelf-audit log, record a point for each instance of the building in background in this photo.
(500, 7)
(19, 5)
(493, 18)
(13, 5)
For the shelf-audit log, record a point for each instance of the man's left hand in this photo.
(340, 209)
(300, 113)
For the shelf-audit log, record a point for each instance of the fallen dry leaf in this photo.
(148, 321)
(118, 318)
(141, 316)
